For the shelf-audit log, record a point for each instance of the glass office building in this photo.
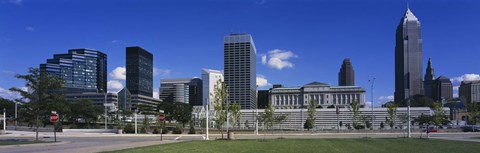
(139, 71)
(83, 70)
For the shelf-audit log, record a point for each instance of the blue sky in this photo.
(306, 39)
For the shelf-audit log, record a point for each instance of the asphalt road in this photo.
(97, 142)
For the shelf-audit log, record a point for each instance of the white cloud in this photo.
(262, 81)
(114, 86)
(465, 77)
(368, 104)
(386, 98)
(161, 72)
(119, 73)
(279, 59)
(155, 94)
(264, 59)
(7, 94)
(455, 88)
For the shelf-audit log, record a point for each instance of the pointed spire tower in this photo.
(428, 79)
(408, 57)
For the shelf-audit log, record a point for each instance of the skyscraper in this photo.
(442, 89)
(210, 78)
(408, 58)
(83, 70)
(139, 71)
(428, 80)
(346, 76)
(240, 70)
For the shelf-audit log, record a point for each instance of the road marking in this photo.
(178, 138)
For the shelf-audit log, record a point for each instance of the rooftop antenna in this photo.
(408, 6)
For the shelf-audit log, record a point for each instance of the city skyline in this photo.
(280, 60)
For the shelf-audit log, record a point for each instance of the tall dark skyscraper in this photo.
(84, 70)
(408, 58)
(139, 71)
(346, 76)
(442, 89)
(240, 70)
(428, 79)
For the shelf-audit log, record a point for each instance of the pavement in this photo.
(73, 142)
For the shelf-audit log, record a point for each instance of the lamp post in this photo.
(105, 105)
(372, 83)
(409, 122)
(16, 115)
(206, 121)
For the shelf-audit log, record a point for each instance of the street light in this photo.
(372, 82)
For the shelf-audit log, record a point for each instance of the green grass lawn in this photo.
(316, 145)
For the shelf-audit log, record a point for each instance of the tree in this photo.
(235, 114)
(182, 113)
(392, 114)
(439, 117)
(473, 110)
(9, 105)
(355, 107)
(220, 105)
(268, 117)
(310, 122)
(84, 109)
(366, 119)
(42, 89)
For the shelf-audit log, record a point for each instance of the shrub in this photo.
(129, 128)
(178, 130)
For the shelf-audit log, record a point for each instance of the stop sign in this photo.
(161, 117)
(53, 117)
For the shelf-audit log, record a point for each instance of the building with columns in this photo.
(324, 94)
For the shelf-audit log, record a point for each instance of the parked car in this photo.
(471, 128)
(432, 129)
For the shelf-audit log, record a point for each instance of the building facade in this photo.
(442, 89)
(139, 67)
(428, 79)
(240, 70)
(323, 94)
(346, 76)
(188, 91)
(83, 70)
(469, 91)
(210, 78)
(109, 100)
(408, 58)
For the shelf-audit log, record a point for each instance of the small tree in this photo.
(220, 105)
(235, 114)
(473, 110)
(310, 122)
(392, 113)
(355, 107)
(439, 115)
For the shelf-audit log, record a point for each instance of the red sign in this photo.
(161, 117)
(53, 117)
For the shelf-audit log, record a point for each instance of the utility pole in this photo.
(372, 83)
(206, 122)
(409, 122)
(135, 121)
(16, 115)
(105, 105)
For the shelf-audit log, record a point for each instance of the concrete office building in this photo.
(323, 94)
(84, 70)
(469, 91)
(240, 70)
(442, 89)
(408, 58)
(428, 80)
(210, 78)
(188, 91)
(346, 76)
